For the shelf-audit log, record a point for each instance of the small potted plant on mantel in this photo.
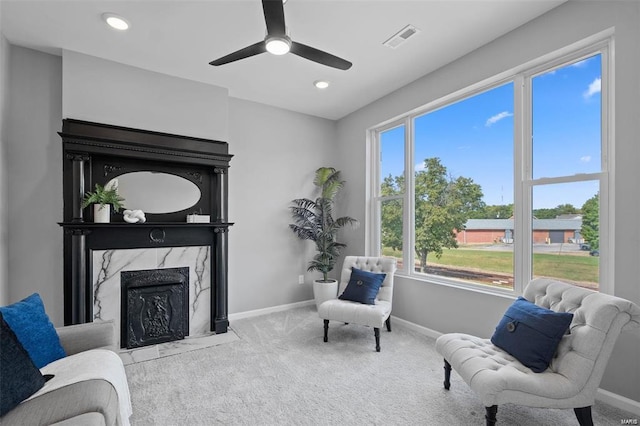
(102, 199)
(314, 221)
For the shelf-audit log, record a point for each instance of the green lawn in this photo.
(577, 268)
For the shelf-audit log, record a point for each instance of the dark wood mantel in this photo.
(96, 153)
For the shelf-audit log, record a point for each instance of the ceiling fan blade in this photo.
(274, 17)
(315, 55)
(254, 49)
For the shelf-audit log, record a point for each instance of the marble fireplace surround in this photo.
(107, 289)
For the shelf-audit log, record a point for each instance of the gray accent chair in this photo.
(84, 403)
(353, 312)
(574, 375)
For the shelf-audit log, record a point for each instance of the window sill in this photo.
(476, 288)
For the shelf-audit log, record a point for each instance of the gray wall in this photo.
(270, 146)
(4, 185)
(34, 159)
(447, 309)
(276, 155)
(107, 92)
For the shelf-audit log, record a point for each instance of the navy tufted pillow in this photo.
(530, 333)
(19, 377)
(363, 286)
(32, 327)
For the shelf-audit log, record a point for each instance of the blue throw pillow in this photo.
(363, 286)
(33, 329)
(531, 333)
(19, 377)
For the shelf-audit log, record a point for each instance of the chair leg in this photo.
(490, 416)
(388, 322)
(376, 332)
(447, 375)
(326, 330)
(583, 414)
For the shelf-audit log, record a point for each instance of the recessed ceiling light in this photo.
(115, 21)
(321, 84)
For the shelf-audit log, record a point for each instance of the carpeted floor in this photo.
(280, 372)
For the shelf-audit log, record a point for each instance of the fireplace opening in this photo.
(154, 307)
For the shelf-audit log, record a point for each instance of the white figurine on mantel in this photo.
(134, 216)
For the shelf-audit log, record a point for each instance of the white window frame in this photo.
(375, 213)
(603, 44)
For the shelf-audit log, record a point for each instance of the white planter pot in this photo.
(323, 291)
(101, 214)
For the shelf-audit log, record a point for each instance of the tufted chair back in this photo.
(378, 265)
(598, 319)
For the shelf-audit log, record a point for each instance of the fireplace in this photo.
(155, 306)
(94, 253)
(111, 267)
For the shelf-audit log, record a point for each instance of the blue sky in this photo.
(474, 137)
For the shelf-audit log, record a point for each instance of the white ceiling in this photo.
(181, 37)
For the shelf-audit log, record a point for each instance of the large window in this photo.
(500, 183)
(464, 172)
(566, 170)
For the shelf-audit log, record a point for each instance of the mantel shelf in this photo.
(85, 225)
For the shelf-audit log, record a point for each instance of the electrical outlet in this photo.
(300, 279)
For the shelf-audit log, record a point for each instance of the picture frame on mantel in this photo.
(96, 153)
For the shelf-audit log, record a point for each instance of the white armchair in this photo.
(574, 375)
(358, 313)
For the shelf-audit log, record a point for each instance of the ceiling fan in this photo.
(278, 42)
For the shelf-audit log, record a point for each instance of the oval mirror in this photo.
(156, 192)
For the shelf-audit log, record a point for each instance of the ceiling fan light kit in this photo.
(278, 42)
(278, 45)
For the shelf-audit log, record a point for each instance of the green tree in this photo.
(391, 215)
(545, 213)
(493, 212)
(555, 212)
(443, 205)
(591, 221)
(566, 209)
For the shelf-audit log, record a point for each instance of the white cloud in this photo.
(585, 159)
(497, 117)
(593, 88)
(419, 167)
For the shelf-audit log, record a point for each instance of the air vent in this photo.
(401, 36)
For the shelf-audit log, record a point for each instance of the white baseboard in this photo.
(618, 401)
(417, 328)
(272, 309)
(615, 400)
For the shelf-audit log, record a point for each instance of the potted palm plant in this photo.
(313, 220)
(102, 199)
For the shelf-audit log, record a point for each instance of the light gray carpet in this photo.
(280, 372)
